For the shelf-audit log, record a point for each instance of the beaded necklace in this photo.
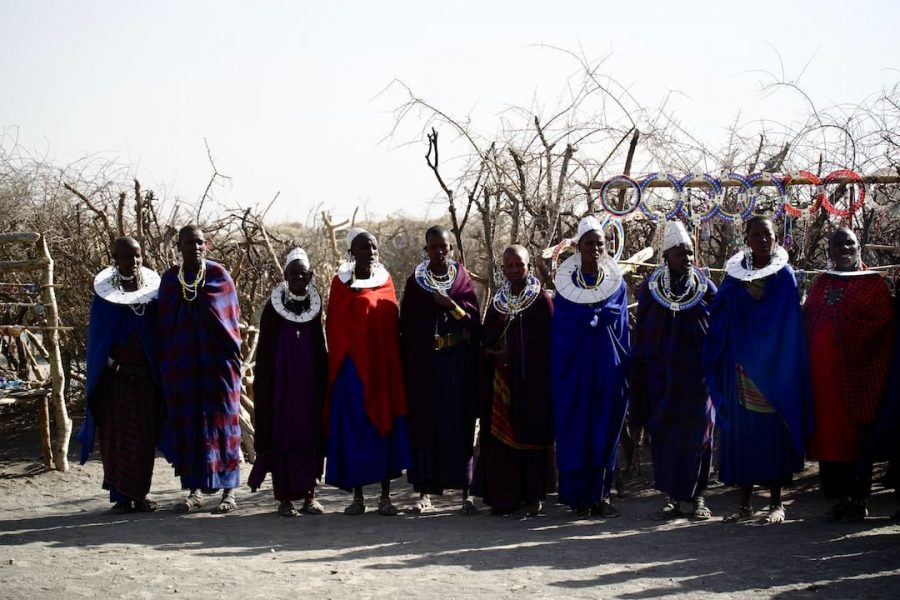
(192, 289)
(582, 283)
(507, 303)
(430, 282)
(310, 302)
(108, 285)
(660, 287)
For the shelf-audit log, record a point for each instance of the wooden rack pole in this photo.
(761, 182)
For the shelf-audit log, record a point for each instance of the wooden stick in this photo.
(46, 448)
(23, 266)
(19, 236)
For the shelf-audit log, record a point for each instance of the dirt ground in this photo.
(58, 539)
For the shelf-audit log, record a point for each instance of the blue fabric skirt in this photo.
(357, 453)
(756, 448)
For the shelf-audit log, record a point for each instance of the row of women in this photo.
(548, 378)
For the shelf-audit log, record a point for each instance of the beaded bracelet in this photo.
(679, 193)
(744, 214)
(604, 189)
(854, 206)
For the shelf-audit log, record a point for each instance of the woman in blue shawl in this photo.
(123, 399)
(590, 352)
(756, 367)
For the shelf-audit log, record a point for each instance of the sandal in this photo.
(776, 515)
(192, 502)
(534, 509)
(670, 510)
(422, 505)
(386, 508)
(744, 513)
(605, 510)
(120, 508)
(856, 512)
(312, 506)
(286, 509)
(701, 511)
(357, 507)
(146, 505)
(468, 508)
(227, 504)
(836, 512)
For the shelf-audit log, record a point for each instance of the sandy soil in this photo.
(58, 539)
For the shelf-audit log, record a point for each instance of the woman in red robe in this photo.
(850, 327)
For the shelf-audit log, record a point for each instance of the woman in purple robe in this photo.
(439, 326)
(515, 465)
(289, 386)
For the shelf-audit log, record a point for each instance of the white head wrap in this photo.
(588, 224)
(352, 234)
(676, 235)
(297, 254)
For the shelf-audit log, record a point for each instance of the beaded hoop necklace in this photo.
(108, 285)
(377, 278)
(192, 289)
(609, 280)
(281, 294)
(510, 304)
(661, 289)
(430, 282)
(735, 266)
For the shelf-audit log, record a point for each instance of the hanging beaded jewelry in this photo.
(192, 289)
(660, 285)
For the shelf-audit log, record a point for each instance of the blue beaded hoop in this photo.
(679, 202)
(694, 300)
(779, 185)
(716, 192)
(747, 188)
(604, 189)
(617, 225)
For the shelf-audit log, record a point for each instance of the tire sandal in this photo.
(357, 507)
(386, 508)
(604, 509)
(120, 508)
(227, 504)
(468, 508)
(534, 509)
(422, 505)
(776, 515)
(145, 505)
(743, 514)
(191, 503)
(287, 509)
(670, 510)
(312, 506)
(701, 511)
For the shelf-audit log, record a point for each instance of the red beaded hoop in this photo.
(854, 178)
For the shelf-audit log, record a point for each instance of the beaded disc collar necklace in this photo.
(609, 279)
(430, 282)
(661, 289)
(377, 278)
(735, 266)
(281, 293)
(107, 285)
(507, 303)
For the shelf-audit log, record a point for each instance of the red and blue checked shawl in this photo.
(200, 361)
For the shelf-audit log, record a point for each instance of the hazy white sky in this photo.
(287, 93)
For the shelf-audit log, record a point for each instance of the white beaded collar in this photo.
(612, 278)
(378, 277)
(104, 287)
(736, 269)
(315, 304)
(851, 273)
